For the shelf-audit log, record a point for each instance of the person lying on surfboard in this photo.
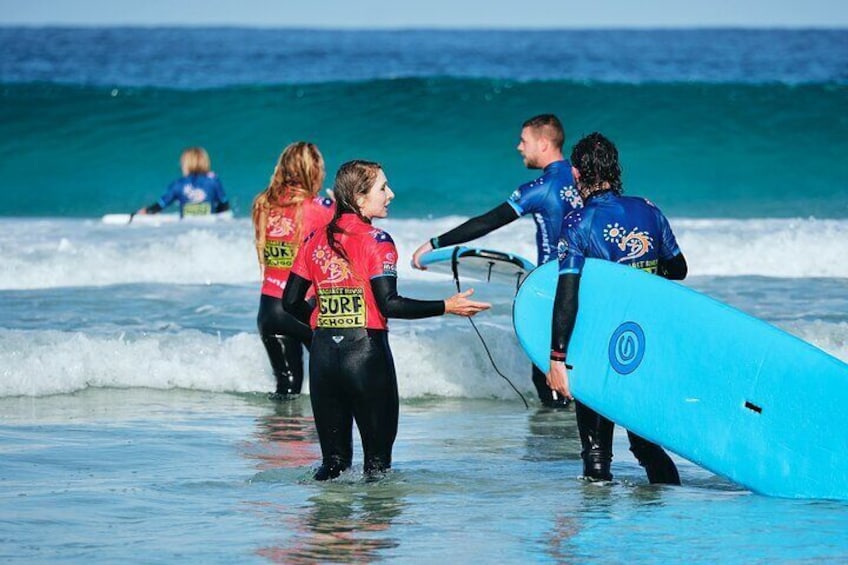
(199, 191)
(548, 199)
(623, 229)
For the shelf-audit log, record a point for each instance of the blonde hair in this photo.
(297, 177)
(195, 160)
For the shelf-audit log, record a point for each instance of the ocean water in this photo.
(133, 419)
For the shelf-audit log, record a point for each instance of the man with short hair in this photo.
(548, 198)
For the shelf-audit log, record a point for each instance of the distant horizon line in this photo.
(747, 27)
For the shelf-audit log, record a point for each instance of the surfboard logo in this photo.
(626, 348)
(635, 243)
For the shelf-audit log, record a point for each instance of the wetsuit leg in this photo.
(544, 391)
(331, 406)
(284, 338)
(658, 465)
(352, 376)
(596, 440)
(375, 400)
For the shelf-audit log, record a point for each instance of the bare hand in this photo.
(416, 257)
(557, 379)
(141, 211)
(459, 305)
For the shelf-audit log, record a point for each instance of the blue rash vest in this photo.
(622, 229)
(549, 198)
(199, 194)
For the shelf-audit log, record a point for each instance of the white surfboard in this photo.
(159, 219)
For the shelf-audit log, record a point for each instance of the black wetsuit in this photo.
(351, 369)
(282, 334)
(548, 199)
(603, 229)
(284, 338)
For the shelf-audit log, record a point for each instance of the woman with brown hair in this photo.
(352, 267)
(283, 214)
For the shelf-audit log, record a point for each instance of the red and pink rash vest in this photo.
(343, 287)
(280, 234)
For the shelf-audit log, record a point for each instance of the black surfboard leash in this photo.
(455, 272)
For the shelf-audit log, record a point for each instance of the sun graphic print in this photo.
(571, 195)
(635, 243)
(334, 267)
(613, 233)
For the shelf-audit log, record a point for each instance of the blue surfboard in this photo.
(479, 264)
(723, 389)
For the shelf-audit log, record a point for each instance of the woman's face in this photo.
(375, 203)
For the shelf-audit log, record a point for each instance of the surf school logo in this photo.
(572, 196)
(280, 226)
(279, 254)
(334, 267)
(626, 348)
(634, 243)
(341, 307)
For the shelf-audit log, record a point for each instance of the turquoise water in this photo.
(448, 145)
(710, 123)
(164, 476)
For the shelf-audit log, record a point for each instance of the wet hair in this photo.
(298, 176)
(549, 126)
(354, 178)
(596, 159)
(195, 160)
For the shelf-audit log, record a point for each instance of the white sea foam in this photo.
(48, 253)
(65, 345)
(39, 363)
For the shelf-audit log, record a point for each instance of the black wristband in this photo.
(434, 242)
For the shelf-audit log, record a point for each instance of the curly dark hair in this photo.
(596, 159)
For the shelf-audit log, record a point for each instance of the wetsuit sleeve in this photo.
(675, 269)
(478, 226)
(565, 314)
(668, 247)
(392, 305)
(165, 200)
(294, 298)
(222, 203)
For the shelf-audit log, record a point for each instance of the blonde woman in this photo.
(199, 191)
(283, 214)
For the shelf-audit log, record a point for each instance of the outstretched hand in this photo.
(416, 257)
(459, 305)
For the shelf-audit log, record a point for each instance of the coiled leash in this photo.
(455, 272)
